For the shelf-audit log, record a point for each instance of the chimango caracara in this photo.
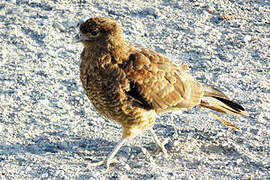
(131, 85)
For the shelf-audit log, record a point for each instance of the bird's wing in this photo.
(160, 83)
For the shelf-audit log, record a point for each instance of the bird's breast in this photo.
(103, 88)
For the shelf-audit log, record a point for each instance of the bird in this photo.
(131, 85)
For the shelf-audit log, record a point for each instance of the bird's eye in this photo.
(94, 33)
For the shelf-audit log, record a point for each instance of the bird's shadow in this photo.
(91, 149)
(97, 149)
(94, 150)
(42, 144)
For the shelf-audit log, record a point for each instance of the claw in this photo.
(106, 162)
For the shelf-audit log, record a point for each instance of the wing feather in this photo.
(161, 83)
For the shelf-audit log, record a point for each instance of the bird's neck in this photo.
(118, 49)
(113, 49)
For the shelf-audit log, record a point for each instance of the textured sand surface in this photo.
(50, 130)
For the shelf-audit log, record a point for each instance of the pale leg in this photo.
(110, 157)
(115, 150)
(158, 143)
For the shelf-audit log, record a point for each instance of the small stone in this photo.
(58, 26)
(176, 143)
(127, 167)
(152, 11)
(227, 17)
(148, 176)
(28, 169)
(210, 10)
(239, 161)
(247, 39)
(124, 177)
(45, 175)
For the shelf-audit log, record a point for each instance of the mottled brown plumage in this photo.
(130, 84)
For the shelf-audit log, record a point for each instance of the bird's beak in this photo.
(79, 38)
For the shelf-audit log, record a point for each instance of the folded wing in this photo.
(162, 84)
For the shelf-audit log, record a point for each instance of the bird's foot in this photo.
(147, 154)
(161, 146)
(106, 163)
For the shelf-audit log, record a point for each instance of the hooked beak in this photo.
(79, 38)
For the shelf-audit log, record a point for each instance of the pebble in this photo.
(247, 39)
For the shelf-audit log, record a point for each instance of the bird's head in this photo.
(98, 30)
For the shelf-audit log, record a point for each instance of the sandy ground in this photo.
(50, 130)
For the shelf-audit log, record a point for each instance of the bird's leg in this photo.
(110, 157)
(158, 143)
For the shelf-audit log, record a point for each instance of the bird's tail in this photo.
(218, 101)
